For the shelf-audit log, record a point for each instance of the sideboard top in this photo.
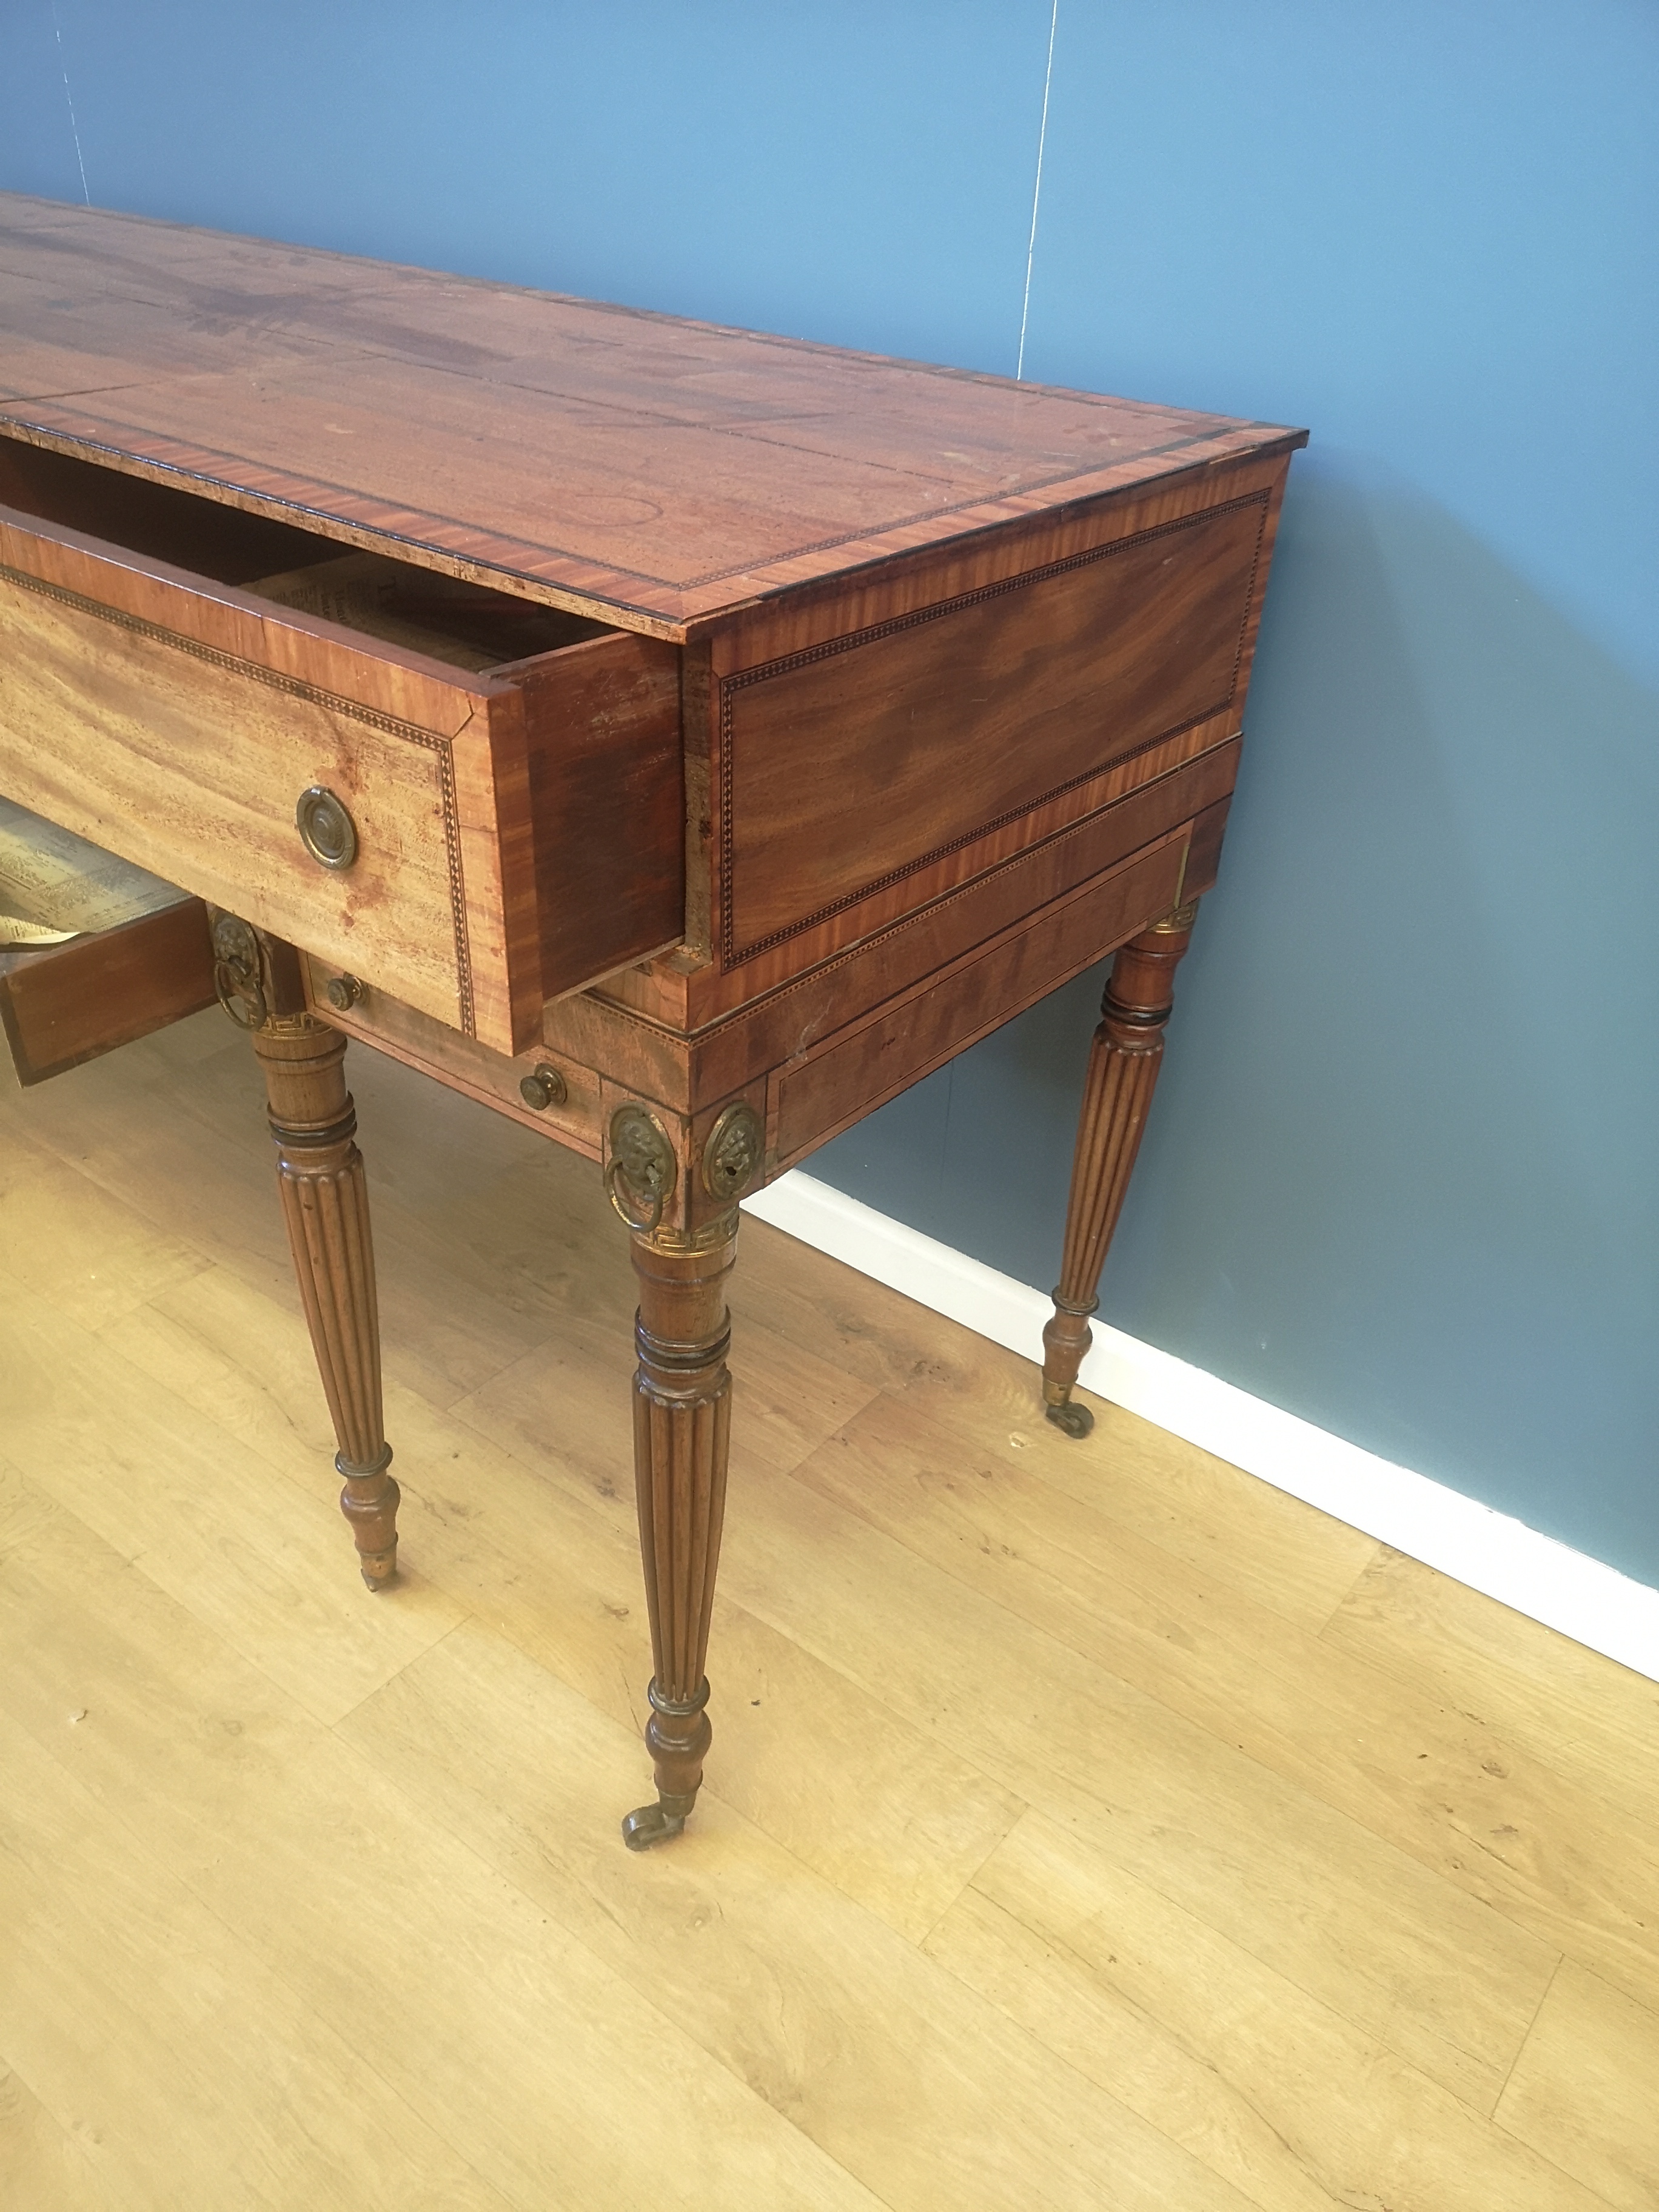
(656, 471)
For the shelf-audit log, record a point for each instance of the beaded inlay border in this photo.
(732, 954)
(297, 688)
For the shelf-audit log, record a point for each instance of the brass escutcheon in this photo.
(238, 974)
(327, 830)
(733, 1152)
(543, 1087)
(1178, 920)
(642, 1162)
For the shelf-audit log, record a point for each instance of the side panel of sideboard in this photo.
(853, 765)
(879, 749)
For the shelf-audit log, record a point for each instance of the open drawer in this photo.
(93, 952)
(470, 800)
(64, 1004)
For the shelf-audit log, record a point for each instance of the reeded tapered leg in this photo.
(1123, 1065)
(320, 1173)
(682, 1424)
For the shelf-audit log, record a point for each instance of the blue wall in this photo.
(1402, 1178)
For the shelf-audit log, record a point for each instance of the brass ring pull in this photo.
(245, 1003)
(641, 1160)
(327, 830)
(653, 1221)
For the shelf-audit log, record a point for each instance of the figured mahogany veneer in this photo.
(842, 763)
(731, 730)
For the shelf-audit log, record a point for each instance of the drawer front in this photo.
(827, 1089)
(64, 1004)
(566, 1108)
(178, 722)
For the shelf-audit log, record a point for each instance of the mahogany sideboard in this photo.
(679, 739)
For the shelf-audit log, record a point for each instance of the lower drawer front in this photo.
(175, 723)
(561, 1101)
(815, 1097)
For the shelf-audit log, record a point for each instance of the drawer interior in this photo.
(466, 624)
(55, 886)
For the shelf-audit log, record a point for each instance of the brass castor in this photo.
(655, 1824)
(1075, 1420)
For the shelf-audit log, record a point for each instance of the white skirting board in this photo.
(1582, 1598)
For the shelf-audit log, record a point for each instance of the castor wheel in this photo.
(655, 1824)
(1075, 1420)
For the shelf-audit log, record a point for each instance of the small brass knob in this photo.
(327, 830)
(342, 992)
(543, 1087)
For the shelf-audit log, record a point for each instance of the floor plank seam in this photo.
(1222, 2022)
(1572, 2180)
(1520, 2048)
(989, 1772)
(965, 1756)
(377, 1597)
(970, 1880)
(1059, 1949)
(243, 1655)
(1063, 1644)
(1375, 1560)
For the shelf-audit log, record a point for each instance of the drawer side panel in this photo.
(608, 805)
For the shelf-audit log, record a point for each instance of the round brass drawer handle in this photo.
(342, 992)
(543, 1088)
(327, 830)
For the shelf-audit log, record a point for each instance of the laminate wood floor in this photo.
(1088, 1826)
